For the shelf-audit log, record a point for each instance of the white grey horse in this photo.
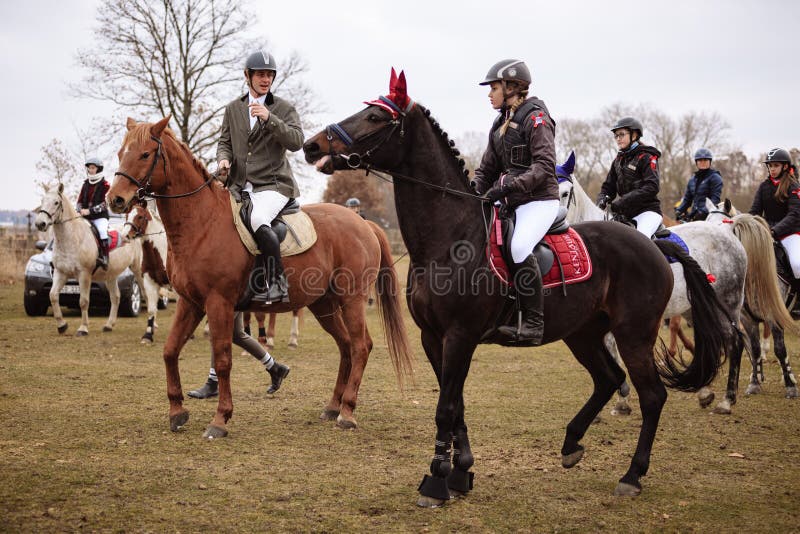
(726, 215)
(75, 256)
(716, 250)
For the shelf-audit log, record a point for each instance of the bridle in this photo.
(356, 160)
(143, 191)
(55, 218)
(571, 198)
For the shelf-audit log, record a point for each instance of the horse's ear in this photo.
(710, 205)
(398, 90)
(569, 165)
(728, 205)
(158, 127)
(60, 187)
(130, 123)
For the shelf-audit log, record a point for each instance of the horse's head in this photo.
(137, 221)
(142, 164)
(720, 212)
(373, 136)
(565, 183)
(51, 210)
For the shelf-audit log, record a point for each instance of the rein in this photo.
(356, 160)
(143, 192)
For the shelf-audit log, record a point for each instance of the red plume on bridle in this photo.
(397, 101)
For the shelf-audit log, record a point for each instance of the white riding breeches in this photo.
(791, 244)
(102, 226)
(533, 221)
(648, 222)
(266, 206)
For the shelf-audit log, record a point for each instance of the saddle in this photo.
(113, 239)
(561, 255)
(291, 221)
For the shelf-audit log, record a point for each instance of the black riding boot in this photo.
(270, 247)
(102, 258)
(277, 374)
(528, 281)
(795, 311)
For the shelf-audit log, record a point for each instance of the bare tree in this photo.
(58, 164)
(178, 57)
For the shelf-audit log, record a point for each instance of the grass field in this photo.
(86, 444)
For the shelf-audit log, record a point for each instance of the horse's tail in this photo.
(762, 293)
(388, 292)
(711, 333)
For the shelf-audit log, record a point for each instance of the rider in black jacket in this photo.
(778, 201)
(632, 184)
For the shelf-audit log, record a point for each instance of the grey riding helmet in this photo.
(508, 70)
(261, 60)
(97, 162)
(352, 202)
(630, 123)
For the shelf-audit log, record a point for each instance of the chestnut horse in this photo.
(457, 306)
(209, 268)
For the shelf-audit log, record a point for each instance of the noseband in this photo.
(355, 160)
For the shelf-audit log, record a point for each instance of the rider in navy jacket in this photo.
(706, 183)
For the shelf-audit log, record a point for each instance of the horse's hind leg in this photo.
(607, 376)
(621, 407)
(294, 333)
(267, 336)
(186, 319)
(330, 318)
(151, 291)
(353, 315)
(751, 330)
(789, 380)
(735, 362)
(636, 348)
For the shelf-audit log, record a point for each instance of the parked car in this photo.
(39, 281)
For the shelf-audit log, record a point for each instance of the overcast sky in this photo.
(739, 58)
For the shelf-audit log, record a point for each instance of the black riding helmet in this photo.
(508, 70)
(630, 123)
(778, 155)
(352, 202)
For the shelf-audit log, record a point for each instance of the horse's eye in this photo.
(145, 155)
(373, 118)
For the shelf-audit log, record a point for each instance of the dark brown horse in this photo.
(209, 267)
(457, 306)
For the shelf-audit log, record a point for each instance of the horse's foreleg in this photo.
(113, 295)
(295, 331)
(267, 337)
(186, 319)
(457, 349)
(753, 334)
(85, 282)
(220, 321)
(151, 291)
(59, 279)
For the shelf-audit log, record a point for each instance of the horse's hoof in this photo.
(621, 408)
(624, 489)
(81, 333)
(571, 460)
(107, 329)
(62, 328)
(346, 423)
(455, 494)
(292, 344)
(723, 408)
(753, 389)
(176, 422)
(791, 392)
(625, 389)
(146, 340)
(329, 415)
(429, 502)
(705, 397)
(214, 432)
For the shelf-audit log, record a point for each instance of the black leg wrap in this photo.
(460, 480)
(434, 487)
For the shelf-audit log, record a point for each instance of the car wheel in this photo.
(35, 307)
(163, 302)
(130, 304)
